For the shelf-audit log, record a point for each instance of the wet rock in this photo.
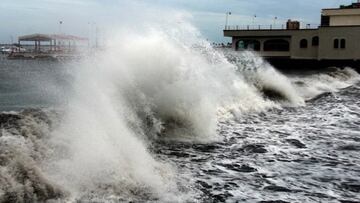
(227, 187)
(350, 148)
(296, 143)
(325, 179)
(213, 172)
(321, 96)
(206, 148)
(233, 184)
(219, 198)
(311, 160)
(204, 184)
(332, 163)
(254, 148)
(319, 195)
(263, 175)
(300, 83)
(200, 159)
(284, 160)
(244, 169)
(273, 94)
(349, 201)
(239, 168)
(276, 188)
(351, 187)
(179, 154)
(9, 120)
(274, 201)
(38, 115)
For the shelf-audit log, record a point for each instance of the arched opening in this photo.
(315, 41)
(336, 43)
(303, 43)
(342, 43)
(250, 44)
(276, 45)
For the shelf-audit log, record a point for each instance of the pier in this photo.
(53, 46)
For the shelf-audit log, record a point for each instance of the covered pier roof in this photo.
(46, 37)
(35, 37)
(68, 37)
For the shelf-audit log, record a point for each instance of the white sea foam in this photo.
(264, 77)
(175, 84)
(330, 80)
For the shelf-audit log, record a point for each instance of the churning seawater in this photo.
(157, 119)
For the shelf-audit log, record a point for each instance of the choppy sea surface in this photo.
(177, 125)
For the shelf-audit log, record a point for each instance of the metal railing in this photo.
(267, 27)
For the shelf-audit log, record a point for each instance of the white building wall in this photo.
(344, 20)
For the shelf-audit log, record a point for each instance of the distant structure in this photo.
(335, 42)
(47, 46)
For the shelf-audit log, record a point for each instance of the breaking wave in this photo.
(329, 80)
(140, 89)
(22, 150)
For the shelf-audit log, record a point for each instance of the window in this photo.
(342, 43)
(303, 43)
(248, 45)
(315, 41)
(276, 45)
(336, 43)
(325, 21)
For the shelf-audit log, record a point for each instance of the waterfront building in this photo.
(335, 42)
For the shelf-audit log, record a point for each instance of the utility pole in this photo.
(275, 18)
(253, 21)
(96, 36)
(60, 23)
(227, 18)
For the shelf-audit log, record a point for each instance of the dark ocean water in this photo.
(31, 83)
(306, 154)
(284, 153)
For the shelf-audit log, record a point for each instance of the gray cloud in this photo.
(24, 16)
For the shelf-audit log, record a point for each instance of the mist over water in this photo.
(160, 115)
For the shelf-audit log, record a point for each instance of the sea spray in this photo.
(99, 155)
(270, 82)
(138, 90)
(141, 88)
(183, 86)
(161, 82)
(328, 80)
(23, 148)
(125, 99)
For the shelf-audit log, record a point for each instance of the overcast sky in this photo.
(80, 17)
